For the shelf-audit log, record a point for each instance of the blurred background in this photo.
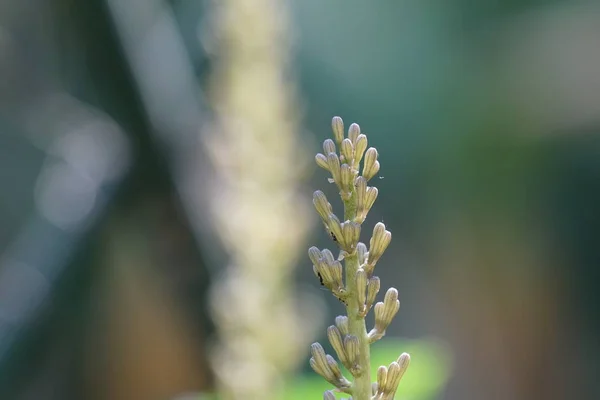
(486, 116)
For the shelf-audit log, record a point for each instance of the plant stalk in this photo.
(361, 388)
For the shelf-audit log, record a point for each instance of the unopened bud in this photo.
(334, 367)
(351, 347)
(353, 132)
(347, 150)
(337, 125)
(361, 250)
(372, 290)
(361, 194)
(374, 387)
(328, 395)
(328, 146)
(318, 362)
(321, 161)
(335, 228)
(351, 232)
(371, 165)
(381, 378)
(322, 206)
(341, 321)
(385, 312)
(336, 272)
(315, 255)
(379, 242)
(370, 198)
(346, 178)
(395, 373)
(334, 167)
(359, 149)
(328, 256)
(335, 338)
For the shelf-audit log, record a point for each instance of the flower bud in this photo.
(353, 132)
(372, 290)
(370, 198)
(374, 387)
(328, 256)
(379, 242)
(319, 361)
(361, 194)
(337, 125)
(322, 206)
(359, 149)
(335, 228)
(361, 250)
(385, 312)
(328, 146)
(335, 338)
(351, 232)
(315, 255)
(381, 378)
(351, 347)
(336, 273)
(328, 395)
(371, 165)
(334, 367)
(334, 167)
(341, 321)
(346, 178)
(321, 161)
(395, 373)
(347, 150)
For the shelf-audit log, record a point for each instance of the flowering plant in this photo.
(349, 276)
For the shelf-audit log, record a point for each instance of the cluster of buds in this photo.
(353, 283)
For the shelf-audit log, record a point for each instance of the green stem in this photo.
(361, 388)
